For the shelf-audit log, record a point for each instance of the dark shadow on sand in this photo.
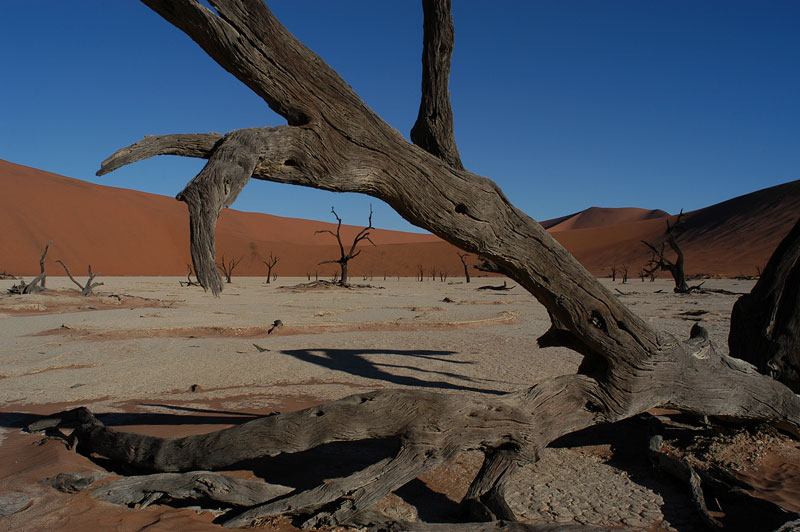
(354, 362)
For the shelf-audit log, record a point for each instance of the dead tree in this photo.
(765, 324)
(463, 257)
(658, 261)
(87, 289)
(270, 264)
(346, 256)
(624, 274)
(228, 267)
(335, 142)
(613, 274)
(38, 283)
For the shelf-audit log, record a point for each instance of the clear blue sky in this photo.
(566, 104)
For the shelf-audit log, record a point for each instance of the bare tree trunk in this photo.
(765, 324)
(346, 256)
(433, 130)
(42, 275)
(463, 257)
(660, 262)
(270, 264)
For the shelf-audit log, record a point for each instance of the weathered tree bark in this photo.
(333, 141)
(433, 131)
(463, 257)
(346, 256)
(87, 289)
(144, 490)
(270, 264)
(228, 267)
(765, 324)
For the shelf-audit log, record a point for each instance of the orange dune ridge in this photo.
(125, 232)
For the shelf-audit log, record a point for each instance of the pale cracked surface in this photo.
(145, 352)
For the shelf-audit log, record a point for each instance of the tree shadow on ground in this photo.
(354, 362)
(629, 440)
(20, 420)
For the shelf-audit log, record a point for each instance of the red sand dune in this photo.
(125, 232)
(601, 217)
(735, 237)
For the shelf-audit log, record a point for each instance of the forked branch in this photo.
(86, 289)
(346, 256)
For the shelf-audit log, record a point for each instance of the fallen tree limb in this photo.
(500, 288)
(87, 289)
(143, 490)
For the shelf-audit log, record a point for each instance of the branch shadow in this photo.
(20, 420)
(354, 362)
(629, 442)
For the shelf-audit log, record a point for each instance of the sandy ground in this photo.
(165, 359)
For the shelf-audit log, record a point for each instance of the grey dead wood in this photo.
(682, 470)
(333, 141)
(765, 324)
(143, 490)
(38, 283)
(346, 256)
(86, 289)
(499, 288)
(433, 130)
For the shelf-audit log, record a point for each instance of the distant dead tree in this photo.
(659, 262)
(87, 289)
(463, 257)
(346, 257)
(228, 267)
(420, 273)
(434, 271)
(188, 281)
(270, 264)
(38, 283)
(613, 274)
(642, 274)
(624, 274)
(443, 276)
